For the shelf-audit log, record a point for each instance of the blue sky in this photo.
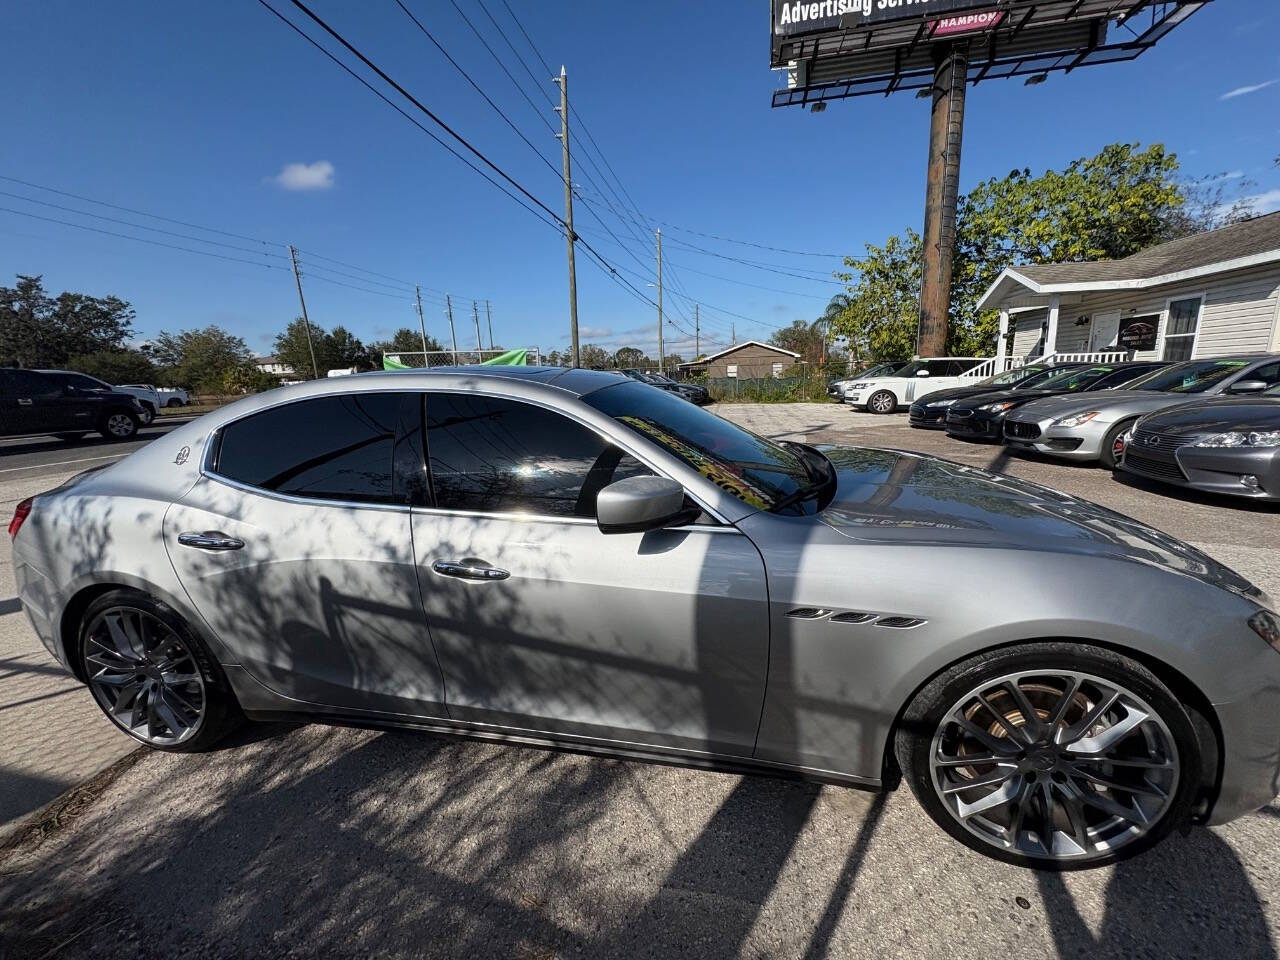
(197, 111)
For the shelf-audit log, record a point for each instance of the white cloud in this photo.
(305, 176)
(1241, 91)
(1268, 202)
(597, 332)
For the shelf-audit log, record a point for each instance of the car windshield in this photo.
(1010, 377)
(1076, 379)
(753, 469)
(1194, 376)
(659, 378)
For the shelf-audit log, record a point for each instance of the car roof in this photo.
(575, 380)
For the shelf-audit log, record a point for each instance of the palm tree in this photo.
(822, 326)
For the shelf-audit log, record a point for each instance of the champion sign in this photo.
(804, 16)
(966, 23)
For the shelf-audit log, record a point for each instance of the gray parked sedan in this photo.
(1225, 445)
(1092, 426)
(568, 558)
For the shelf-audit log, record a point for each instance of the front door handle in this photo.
(210, 540)
(469, 569)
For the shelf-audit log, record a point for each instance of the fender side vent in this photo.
(853, 618)
(808, 613)
(899, 623)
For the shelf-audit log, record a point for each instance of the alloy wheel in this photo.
(144, 676)
(1054, 765)
(120, 425)
(882, 403)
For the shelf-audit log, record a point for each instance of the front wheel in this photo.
(152, 676)
(1113, 444)
(882, 402)
(1051, 755)
(119, 425)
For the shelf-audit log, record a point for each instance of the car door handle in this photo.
(210, 540)
(468, 569)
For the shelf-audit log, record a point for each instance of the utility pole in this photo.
(422, 324)
(488, 315)
(293, 258)
(733, 334)
(475, 315)
(569, 235)
(661, 358)
(946, 130)
(453, 336)
(697, 336)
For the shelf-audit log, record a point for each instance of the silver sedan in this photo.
(1092, 426)
(576, 560)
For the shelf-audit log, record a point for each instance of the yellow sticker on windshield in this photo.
(715, 471)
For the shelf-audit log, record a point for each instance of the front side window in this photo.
(752, 468)
(493, 455)
(1180, 330)
(332, 448)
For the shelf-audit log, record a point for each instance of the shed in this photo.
(749, 360)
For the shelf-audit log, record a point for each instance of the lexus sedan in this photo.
(571, 559)
(930, 413)
(1225, 445)
(1093, 426)
(982, 417)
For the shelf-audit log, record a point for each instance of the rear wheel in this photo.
(1051, 755)
(173, 402)
(152, 676)
(1113, 443)
(882, 401)
(118, 425)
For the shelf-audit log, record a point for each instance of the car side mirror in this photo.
(69, 390)
(922, 373)
(1248, 386)
(637, 504)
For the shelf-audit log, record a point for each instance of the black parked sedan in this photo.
(1225, 445)
(930, 412)
(982, 417)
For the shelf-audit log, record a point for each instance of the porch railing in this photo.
(995, 365)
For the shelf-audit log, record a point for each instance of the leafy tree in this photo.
(673, 360)
(199, 359)
(883, 311)
(593, 357)
(405, 341)
(37, 330)
(246, 378)
(628, 357)
(802, 338)
(294, 349)
(116, 366)
(347, 351)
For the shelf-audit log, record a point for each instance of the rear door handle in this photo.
(24, 402)
(210, 540)
(469, 569)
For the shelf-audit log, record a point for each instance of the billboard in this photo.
(806, 16)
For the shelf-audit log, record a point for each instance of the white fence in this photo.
(989, 368)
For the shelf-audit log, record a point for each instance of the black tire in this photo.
(914, 738)
(112, 426)
(885, 399)
(1107, 456)
(69, 437)
(148, 413)
(173, 402)
(222, 713)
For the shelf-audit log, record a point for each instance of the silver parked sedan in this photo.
(1092, 426)
(573, 559)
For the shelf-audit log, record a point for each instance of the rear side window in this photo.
(493, 455)
(334, 448)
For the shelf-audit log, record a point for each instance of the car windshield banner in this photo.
(807, 16)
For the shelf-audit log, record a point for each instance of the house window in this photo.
(777, 370)
(1180, 329)
(731, 370)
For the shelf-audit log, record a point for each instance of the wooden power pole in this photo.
(293, 258)
(570, 236)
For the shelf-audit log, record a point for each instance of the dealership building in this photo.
(1208, 295)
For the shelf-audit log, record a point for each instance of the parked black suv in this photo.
(35, 403)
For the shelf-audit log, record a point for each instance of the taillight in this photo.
(20, 513)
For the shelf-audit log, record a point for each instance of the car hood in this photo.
(998, 396)
(892, 496)
(1218, 416)
(1122, 402)
(955, 393)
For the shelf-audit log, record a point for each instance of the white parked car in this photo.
(910, 382)
(169, 396)
(147, 396)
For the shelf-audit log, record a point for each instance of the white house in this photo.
(1207, 295)
(271, 364)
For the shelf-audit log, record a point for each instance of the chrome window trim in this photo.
(214, 443)
(552, 518)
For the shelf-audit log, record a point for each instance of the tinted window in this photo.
(1267, 373)
(1120, 377)
(336, 448)
(24, 383)
(1194, 377)
(750, 467)
(502, 456)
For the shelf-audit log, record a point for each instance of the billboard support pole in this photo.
(946, 133)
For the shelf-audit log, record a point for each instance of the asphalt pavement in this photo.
(33, 457)
(322, 841)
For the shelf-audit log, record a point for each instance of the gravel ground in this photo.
(313, 840)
